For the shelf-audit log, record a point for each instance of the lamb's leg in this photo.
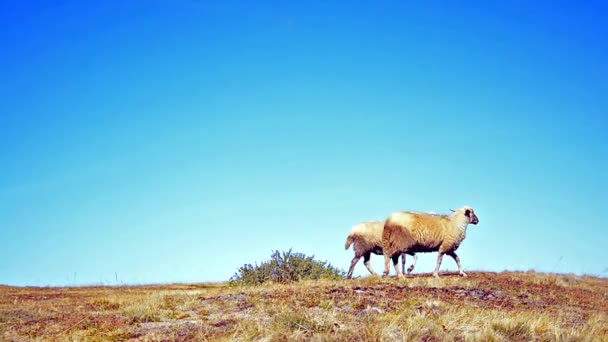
(403, 263)
(411, 268)
(352, 266)
(457, 259)
(439, 259)
(396, 265)
(366, 257)
(387, 265)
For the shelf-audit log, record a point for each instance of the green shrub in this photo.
(285, 267)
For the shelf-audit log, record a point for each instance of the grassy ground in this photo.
(504, 306)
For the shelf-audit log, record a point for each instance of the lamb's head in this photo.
(468, 213)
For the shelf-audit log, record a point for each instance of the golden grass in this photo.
(507, 306)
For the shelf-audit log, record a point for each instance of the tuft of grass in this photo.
(299, 322)
(141, 314)
(371, 330)
(104, 304)
(513, 330)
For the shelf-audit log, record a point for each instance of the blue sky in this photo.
(154, 141)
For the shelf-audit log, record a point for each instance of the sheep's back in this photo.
(416, 231)
(436, 232)
(368, 236)
(396, 236)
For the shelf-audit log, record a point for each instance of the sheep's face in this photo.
(470, 214)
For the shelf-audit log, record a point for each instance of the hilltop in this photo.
(506, 306)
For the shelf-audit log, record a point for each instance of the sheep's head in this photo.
(469, 213)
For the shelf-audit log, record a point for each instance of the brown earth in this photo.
(507, 306)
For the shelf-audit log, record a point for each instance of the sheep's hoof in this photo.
(436, 275)
(409, 270)
(463, 274)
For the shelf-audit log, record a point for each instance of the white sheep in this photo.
(366, 238)
(409, 232)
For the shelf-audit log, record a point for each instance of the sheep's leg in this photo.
(387, 265)
(403, 263)
(366, 258)
(411, 268)
(439, 259)
(457, 259)
(396, 265)
(352, 266)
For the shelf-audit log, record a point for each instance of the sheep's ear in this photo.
(467, 213)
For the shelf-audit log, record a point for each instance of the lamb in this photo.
(366, 238)
(409, 232)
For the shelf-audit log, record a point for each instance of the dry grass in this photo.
(508, 306)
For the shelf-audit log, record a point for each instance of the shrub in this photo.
(285, 267)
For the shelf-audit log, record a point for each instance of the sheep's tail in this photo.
(349, 241)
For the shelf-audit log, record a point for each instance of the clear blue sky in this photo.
(158, 141)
